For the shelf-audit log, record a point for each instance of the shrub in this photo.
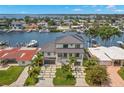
(90, 62)
(31, 81)
(121, 72)
(96, 75)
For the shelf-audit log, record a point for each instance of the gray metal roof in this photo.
(49, 47)
(70, 39)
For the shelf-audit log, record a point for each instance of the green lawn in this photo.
(10, 75)
(121, 72)
(61, 78)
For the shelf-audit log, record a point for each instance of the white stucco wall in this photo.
(24, 63)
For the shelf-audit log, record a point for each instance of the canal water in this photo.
(42, 38)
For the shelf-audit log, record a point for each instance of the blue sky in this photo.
(61, 9)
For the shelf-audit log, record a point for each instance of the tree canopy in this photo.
(96, 75)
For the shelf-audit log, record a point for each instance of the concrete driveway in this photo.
(80, 76)
(115, 79)
(46, 76)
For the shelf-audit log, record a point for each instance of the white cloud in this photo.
(118, 10)
(114, 8)
(77, 9)
(110, 6)
(98, 10)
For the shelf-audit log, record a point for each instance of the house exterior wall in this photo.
(69, 45)
(106, 63)
(24, 63)
(49, 54)
(66, 59)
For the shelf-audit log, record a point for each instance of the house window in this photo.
(65, 46)
(65, 55)
(77, 46)
(59, 54)
(70, 54)
(77, 55)
(48, 53)
(23, 62)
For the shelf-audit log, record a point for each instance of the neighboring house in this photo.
(31, 26)
(17, 25)
(4, 24)
(22, 56)
(108, 55)
(63, 28)
(62, 48)
(42, 24)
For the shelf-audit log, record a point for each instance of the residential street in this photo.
(21, 80)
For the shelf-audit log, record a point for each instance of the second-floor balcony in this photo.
(66, 46)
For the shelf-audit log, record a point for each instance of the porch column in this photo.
(121, 63)
(112, 63)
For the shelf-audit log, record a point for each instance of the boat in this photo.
(29, 30)
(3, 43)
(32, 43)
(120, 43)
(63, 31)
(78, 31)
(47, 30)
(40, 31)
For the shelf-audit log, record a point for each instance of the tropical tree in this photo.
(72, 60)
(91, 33)
(107, 32)
(38, 59)
(96, 75)
(27, 19)
(90, 62)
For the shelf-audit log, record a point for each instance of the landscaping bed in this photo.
(10, 75)
(96, 75)
(33, 76)
(34, 70)
(121, 72)
(64, 78)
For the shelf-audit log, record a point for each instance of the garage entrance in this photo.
(77, 63)
(49, 61)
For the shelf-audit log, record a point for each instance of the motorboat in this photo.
(3, 43)
(32, 43)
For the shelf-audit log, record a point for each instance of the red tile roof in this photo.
(18, 54)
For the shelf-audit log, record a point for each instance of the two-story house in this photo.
(17, 25)
(62, 48)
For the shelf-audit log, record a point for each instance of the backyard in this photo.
(10, 75)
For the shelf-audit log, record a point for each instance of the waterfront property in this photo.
(22, 56)
(62, 48)
(108, 55)
(17, 25)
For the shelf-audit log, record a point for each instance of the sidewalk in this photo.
(21, 80)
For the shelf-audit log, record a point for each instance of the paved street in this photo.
(21, 80)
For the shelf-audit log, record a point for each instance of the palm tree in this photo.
(92, 33)
(107, 32)
(37, 61)
(72, 60)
